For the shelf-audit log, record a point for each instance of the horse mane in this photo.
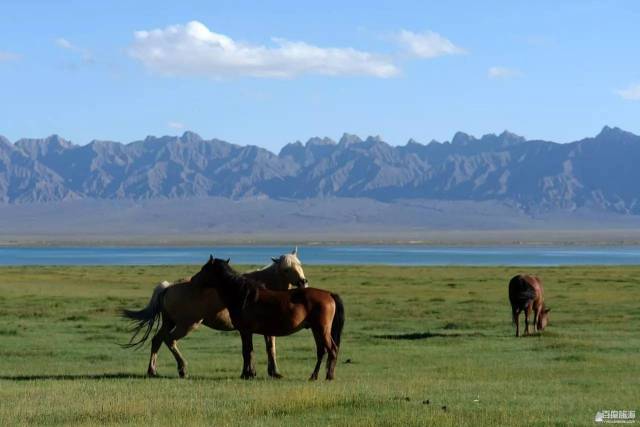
(242, 290)
(237, 279)
(289, 261)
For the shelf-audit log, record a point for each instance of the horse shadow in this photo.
(105, 376)
(427, 335)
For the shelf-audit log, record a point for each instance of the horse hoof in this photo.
(248, 375)
(313, 378)
(276, 375)
(152, 374)
(183, 374)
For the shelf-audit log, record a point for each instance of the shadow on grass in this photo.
(427, 335)
(110, 376)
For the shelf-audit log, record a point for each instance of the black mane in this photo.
(235, 290)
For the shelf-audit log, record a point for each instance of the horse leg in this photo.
(171, 340)
(248, 369)
(320, 350)
(527, 313)
(535, 320)
(156, 342)
(332, 351)
(272, 366)
(516, 318)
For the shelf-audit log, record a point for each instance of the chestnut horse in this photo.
(184, 305)
(526, 294)
(257, 310)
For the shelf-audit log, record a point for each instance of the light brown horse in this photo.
(184, 305)
(526, 294)
(256, 310)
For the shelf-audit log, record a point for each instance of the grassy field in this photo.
(425, 346)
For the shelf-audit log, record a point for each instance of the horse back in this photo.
(307, 297)
(525, 289)
(302, 301)
(311, 297)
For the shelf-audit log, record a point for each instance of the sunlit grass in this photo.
(417, 340)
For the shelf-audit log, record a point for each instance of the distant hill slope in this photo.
(209, 220)
(599, 173)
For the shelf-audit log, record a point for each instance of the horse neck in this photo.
(227, 289)
(269, 276)
(235, 291)
(196, 279)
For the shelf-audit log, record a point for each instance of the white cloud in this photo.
(8, 56)
(193, 49)
(176, 125)
(86, 54)
(631, 92)
(427, 44)
(502, 72)
(64, 43)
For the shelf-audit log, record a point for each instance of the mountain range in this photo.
(533, 175)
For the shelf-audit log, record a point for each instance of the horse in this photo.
(182, 306)
(526, 294)
(257, 310)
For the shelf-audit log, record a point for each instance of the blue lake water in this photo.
(392, 255)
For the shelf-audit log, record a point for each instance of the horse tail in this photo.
(338, 320)
(144, 320)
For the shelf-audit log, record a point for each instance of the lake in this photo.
(392, 255)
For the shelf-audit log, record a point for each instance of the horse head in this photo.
(213, 268)
(289, 268)
(543, 319)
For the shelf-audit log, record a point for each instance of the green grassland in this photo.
(416, 339)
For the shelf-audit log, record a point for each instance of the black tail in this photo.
(338, 320)
(145, 319)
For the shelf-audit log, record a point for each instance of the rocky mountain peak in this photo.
(349, 139)
(320, 141)
(600, 171)
(461, 138)
(189, 136)
(615, 134)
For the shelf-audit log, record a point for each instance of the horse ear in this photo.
(211, 258)
(295, 251)
(227, 261)
(275, 260)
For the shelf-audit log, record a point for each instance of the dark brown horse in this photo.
(183, 306)
(257, 310)
(526, 294)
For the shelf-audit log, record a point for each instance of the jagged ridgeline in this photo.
(600, 172)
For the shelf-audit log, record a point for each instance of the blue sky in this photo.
(271, 73)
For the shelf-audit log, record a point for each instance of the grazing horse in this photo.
(526, 294)
(184, 305)
(257, 310)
